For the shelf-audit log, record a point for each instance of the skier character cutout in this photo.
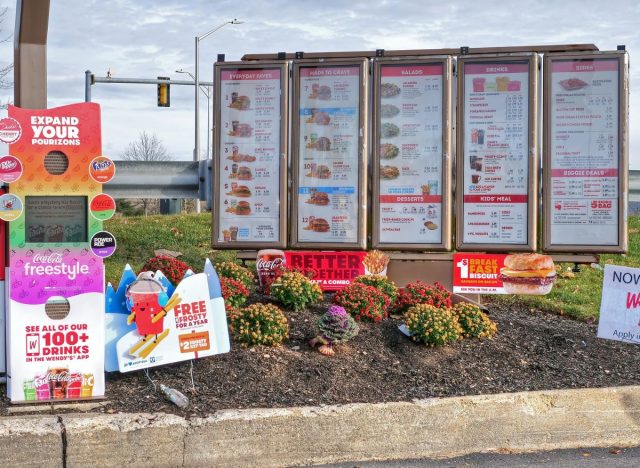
(148, 303)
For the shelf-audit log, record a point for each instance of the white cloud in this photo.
(146, 39)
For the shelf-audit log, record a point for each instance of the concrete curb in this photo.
(435, 428)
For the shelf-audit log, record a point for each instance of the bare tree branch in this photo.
(6, 81)
(146, 148)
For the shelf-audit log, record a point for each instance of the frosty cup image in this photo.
(502, 83)
(478, 85)
(234, 232)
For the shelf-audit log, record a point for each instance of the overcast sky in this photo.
(146, 39)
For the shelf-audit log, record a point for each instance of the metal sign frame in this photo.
(623, 156)
(282, 154)
(533, 162)
(446, 168)
(363, 66)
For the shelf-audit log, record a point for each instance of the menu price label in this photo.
(584, 151)
(495, 160)
(328, 165)
(249, 148)
(410, 147)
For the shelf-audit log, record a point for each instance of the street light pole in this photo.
(207, 91)
(196, 155)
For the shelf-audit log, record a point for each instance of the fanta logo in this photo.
(101, 165)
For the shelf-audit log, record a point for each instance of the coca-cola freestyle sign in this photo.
(55, 297)
(332, 271)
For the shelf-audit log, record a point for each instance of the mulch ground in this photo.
(533, 350)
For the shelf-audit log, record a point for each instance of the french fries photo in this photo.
(375, 262)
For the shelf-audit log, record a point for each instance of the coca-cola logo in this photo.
(63, 376)
(269, 264)
(54, 257)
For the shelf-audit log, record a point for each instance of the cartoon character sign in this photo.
(148, 303)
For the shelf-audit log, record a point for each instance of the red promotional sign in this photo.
(332, 270)
(477, 273)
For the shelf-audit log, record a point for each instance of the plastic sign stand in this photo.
(55, 293)
(167, 324)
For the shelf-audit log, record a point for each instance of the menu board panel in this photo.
(249, 189)
(411, 157)
(497, 157)
(328, 154)
(583, 167)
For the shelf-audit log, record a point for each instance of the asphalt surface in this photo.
(588, 457)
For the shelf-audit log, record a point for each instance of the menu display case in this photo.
(329, 154)
(497, 153)
(250, 161)
(585, 152)
(412, 154)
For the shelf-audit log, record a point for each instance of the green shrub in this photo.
(258, 324)
(474, 322)
(364, 302)
(420, 292)
(431, 325)
(295, 290)
(234, 293)
(382, 283)
(234, 271)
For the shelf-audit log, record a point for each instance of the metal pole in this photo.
(196, 156)
(87, 86)
(30, 54)
(208, 125)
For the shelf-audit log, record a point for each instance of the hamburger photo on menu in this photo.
(529, 273)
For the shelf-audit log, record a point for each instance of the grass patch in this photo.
(139, 236)
(579, 295)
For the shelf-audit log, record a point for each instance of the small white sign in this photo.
(620, 306)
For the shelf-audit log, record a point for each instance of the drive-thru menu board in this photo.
(585, 161)
(497, 160)
(412, 165)
(328, 129)
(250, 164)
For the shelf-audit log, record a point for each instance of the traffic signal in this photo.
(164, 98)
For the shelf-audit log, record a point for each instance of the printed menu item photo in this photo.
(318, 225)
(240, 102)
